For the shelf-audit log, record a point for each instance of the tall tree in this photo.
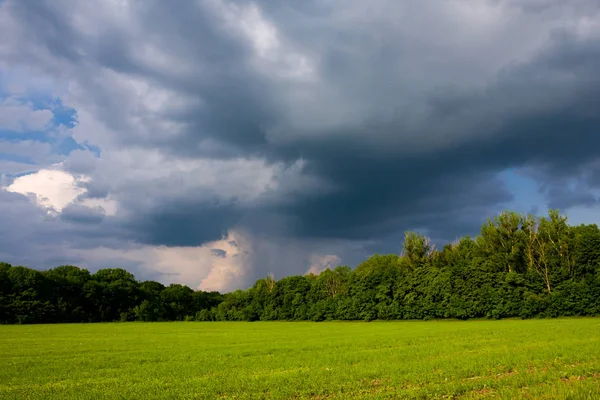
(417, 250)
(502, 241)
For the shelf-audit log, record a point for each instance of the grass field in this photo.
(447, 359)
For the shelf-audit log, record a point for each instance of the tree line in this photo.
(518, 266)
(71, 294)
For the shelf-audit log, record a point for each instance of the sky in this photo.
(213, 142)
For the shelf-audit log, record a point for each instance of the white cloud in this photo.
(54, 189)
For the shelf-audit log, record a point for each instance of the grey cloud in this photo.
(81, 214)
(81, 162)
(13, 168)
(31, 150)
(95, 190)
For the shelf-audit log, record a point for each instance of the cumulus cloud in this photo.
(54, 190)
(317, 129)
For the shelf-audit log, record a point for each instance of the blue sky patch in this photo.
(527, 197)
(62, 115)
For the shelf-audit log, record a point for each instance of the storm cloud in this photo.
(295, 132)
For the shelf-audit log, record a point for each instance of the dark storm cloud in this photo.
(408, 127)
(528, 116)
(81, 214)
(183, 224)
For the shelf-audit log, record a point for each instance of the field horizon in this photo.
(511, 358)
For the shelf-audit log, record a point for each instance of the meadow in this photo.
(551, 358)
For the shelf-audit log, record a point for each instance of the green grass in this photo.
(550, 359)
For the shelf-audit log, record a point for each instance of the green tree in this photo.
(178, 301)
(417, 251)
(502, 241)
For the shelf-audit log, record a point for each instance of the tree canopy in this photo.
(519, 266)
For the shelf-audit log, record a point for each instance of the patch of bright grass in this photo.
(537, 359)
